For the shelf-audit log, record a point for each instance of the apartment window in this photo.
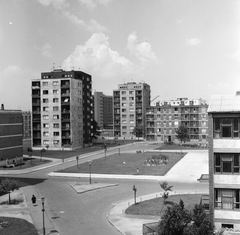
(55, 83)
(124, 110)
(227, 163)
(123, 92)
(45, 117)
(124, 98)
(124, 127)
(45, 83)
(226, 127)
(46, 142)
(55, 92)
(55, 125)
(56, 142)
(131, 115)
(124, 104)
(227, 199)
(45, 92)
(45, 133)
(55, 117)
(124, 121)
(130, 92)
(55, 100)
(45, 108)
(45, 125)
(45, 100)
(55, 108)
(131, 98)
(55, 133)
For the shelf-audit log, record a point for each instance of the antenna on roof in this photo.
(72, 67)
(53, 66)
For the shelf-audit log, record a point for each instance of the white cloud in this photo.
(93, 26)
(142, 51)
(91, 4)
(46, 50)
(98, 58)
(192, 41)
(58, 4)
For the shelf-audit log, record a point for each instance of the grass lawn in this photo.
(28, 162)
(155, 207)
(126, 164)
(16, 226)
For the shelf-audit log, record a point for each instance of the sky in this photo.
(181, 48)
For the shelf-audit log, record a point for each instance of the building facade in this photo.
(163, 119)
(130, 101)
(62, 110)
(27, 123)
(103, 112)
(224, 161)
(11, 136)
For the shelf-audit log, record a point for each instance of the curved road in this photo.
(86, 213)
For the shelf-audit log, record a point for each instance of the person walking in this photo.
(33, 199)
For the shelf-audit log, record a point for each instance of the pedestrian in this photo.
(33, 199)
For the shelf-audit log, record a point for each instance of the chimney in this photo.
(2, 106)
(238, 93)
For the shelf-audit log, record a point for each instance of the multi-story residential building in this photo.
(27, 124)
(129, 104)
(103, 112)
(224, 160)
(163, 119)
(11, 136)
(62, 110)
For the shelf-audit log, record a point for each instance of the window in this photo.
(227, 163)
(130, 92)
(55, 100)
(45, 108)
(46, 142)
(45, 100)
(124, 110)
(124, 98)
(45, 133)
(45, 125)
(124, 127)
(227, 199)
(226, 127)
(55, 133)
(55, 108)
(55, 83)
(45, 92)
(56, 142)
(124, 104)
(55, 125)
(45, 83)
(45, 117)
(123, 92)
(55, 92)
(55, 117)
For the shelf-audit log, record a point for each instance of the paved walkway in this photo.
(188, 169)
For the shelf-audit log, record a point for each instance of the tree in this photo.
(182, 133)
(8, 185)
(95, 132)
(175, 219)
(138, 131)
(164, 185)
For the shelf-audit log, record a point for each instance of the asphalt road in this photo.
(86, 213)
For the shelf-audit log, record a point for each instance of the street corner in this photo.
(81, 188)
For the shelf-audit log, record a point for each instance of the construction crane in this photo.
(154, 99)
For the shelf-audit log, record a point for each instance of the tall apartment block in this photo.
(103, 112)
(224, 161)
(11, 136)
(27, 123)
(130, 101)
(62, 110)
(163, 119)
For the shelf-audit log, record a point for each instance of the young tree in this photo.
(182, 133)
(164, 185)
(138, 131)
(175, 219)
(8, 185)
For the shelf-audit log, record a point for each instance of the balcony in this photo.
(65, 84)
(36, 103)
(65, 110)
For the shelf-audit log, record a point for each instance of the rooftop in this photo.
(226, 103)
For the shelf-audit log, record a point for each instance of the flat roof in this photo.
(224, 103)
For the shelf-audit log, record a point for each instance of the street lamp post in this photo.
(135, 192)
(77, 157)
(43, 210)
(90, 165)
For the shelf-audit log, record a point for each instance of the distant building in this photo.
(129, 103)
(163, 119)
(62, 110)
(103, 112)
(11, 136)
(224, 161)
(27, 124)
